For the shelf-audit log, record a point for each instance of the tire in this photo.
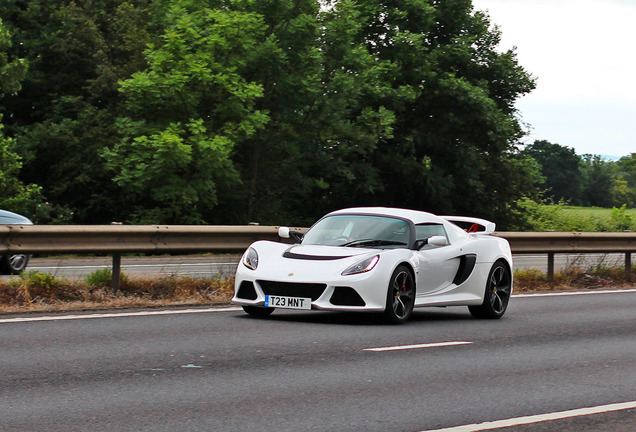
(400, 297)
(13, 264)
(258, 310)
(497, 295)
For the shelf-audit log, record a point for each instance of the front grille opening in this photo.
(346, 296)
(246, 291)
(292, 289)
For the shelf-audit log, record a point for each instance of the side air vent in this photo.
(466, 266)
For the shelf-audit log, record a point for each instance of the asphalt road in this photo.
(220, 370)
(225, 265)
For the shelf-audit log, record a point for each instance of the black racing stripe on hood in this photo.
(293, 255)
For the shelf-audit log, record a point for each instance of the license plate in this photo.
(287, 302)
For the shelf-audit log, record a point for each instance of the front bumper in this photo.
(336, 295)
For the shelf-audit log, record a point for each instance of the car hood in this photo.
(312, 263)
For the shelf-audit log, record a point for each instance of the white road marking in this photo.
(235, 309)
(574, 293)
(418, 346)
(117, 315)
(518, 421)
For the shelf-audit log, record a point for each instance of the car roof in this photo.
(10, 218)
(415, 216)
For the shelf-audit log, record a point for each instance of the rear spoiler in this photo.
(471, 224)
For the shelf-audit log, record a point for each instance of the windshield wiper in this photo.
(373, 242)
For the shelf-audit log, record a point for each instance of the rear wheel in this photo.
(258, 310)
(497, 296)
(13, 264)
(401, 296)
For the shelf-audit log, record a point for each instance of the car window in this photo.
(359, 231)
(428, 230)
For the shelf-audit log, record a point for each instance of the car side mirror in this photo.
(283, 232)
(438, 241)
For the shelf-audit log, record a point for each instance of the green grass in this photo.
(561, 217)
(596, 212)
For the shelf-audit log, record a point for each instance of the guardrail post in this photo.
(628, 266)
(550, 266)
(116, 272)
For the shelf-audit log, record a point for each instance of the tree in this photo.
(65, 113)
(561, 168)
(316, 79)
(187, 111)
(626, 185)
(452, 142)
(231, 111)
(14, 194)
(599, 180)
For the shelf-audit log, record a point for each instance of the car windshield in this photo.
(359, 231)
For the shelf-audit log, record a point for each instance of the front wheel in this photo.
(258, 310)
(13, 264)
(401, 296)
(497, 296)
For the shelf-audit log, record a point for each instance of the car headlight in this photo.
(362, 266)
(250, 259)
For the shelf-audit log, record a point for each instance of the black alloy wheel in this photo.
(497, 295)
(401, 295)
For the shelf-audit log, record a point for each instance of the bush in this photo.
(103, 278)
(545, 216)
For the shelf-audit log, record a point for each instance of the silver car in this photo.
(13, 264)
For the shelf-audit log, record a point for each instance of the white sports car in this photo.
(379, 259)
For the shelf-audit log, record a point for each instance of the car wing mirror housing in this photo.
(438, 241)
(285, 233)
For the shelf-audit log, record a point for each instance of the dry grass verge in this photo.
(573, 278)
(35, 291)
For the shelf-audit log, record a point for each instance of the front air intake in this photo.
(346, 296)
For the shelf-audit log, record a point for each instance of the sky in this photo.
(583, 54)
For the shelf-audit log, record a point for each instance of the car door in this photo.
(438, 265)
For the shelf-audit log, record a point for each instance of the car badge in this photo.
(290, 275)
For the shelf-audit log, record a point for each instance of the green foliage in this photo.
(599, 178)
(103, 278)
(100, 278)
(541, 216)
(65, 113)
(620, 220)
(188, 110)
(454, 124)
(12, 72)
(560, 168)
(626, 184)
(191, 111)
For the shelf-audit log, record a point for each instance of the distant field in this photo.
(596, 212)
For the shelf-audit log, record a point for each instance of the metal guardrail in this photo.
(120, 239)
(551, 243)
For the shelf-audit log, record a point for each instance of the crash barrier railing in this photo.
(116, 240)
(551, 243)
